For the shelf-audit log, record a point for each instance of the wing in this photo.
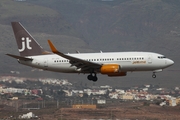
(85, 66)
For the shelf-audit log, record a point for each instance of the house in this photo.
(100, 101)
(27, 116)
(126, 97)
(178, 101)
(172, 102)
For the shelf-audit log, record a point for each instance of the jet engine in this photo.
(110, 68)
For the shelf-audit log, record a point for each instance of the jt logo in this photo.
(25, 44)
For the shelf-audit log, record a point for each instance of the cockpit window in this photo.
(161, 57)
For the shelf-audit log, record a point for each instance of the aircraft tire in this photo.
(154, 76)
(89, 77)
(93, 78)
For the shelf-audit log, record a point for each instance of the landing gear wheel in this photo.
(89, 77)
(93, 78)
(154, 75)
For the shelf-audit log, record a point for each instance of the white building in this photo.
(120, 91)
(27, 116)
(101, 101)
(106, 87)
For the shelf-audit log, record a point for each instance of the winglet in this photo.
(53, 48)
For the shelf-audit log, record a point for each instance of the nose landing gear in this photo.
(92, 77)
(154, 75)
(156, 71)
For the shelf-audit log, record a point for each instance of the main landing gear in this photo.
(92, 77)
(154, 75)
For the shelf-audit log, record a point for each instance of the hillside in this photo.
(42, 22)
(93, 25)
(124, 23)
(132, 26)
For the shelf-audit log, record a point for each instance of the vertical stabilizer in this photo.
(27, 45)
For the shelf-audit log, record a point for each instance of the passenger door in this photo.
(150, 59)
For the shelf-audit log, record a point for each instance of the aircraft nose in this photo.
(169, 62)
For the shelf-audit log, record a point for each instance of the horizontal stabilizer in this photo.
(20, 57)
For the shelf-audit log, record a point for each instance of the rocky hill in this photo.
(93, 25)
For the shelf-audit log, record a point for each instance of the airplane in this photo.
(107, 63)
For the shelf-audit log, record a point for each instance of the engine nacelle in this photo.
(117, 74)
(110, 68)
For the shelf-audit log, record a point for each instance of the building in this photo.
(172, 102)
(178, 101)
(27, 116)
(84, 106)
(101, 101)
(126, 97)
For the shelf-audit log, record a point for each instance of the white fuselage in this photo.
(109, 63)
(128, 61)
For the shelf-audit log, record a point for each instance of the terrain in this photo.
(122, 111)
(93, 25)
